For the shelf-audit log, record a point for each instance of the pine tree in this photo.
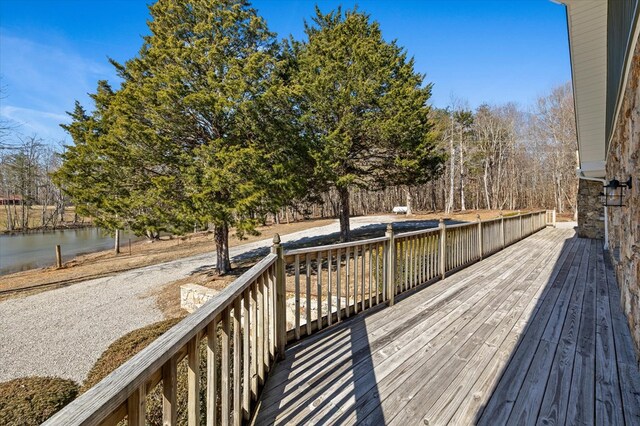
(201, 129)
(363, 107)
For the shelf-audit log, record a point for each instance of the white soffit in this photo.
(587, 26)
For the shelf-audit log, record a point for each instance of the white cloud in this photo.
(41, 80)
(48, 71)
(42, 123)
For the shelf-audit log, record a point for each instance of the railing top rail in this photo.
(490, 220)
(327, 247)
(462, 225)
(104, 398)
(418, 232)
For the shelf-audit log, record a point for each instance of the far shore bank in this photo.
(58, 227)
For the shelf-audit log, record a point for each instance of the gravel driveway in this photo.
(62, 332)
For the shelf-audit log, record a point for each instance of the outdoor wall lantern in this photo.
(613, 194)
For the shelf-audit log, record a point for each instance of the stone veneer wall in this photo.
(590, 210)
(624, 222)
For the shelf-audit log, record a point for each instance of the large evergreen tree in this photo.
(363, 106)
(203, 121)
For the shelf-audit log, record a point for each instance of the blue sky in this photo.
(53, 52)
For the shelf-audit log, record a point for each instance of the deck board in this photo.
(531, 334)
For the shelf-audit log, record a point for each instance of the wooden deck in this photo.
(532, 334)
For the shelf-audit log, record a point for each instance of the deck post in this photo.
(443, 248)
(479, 236)
(553, 215)
(280, 316)
(390, 275)
(58, 257)
(501, 230)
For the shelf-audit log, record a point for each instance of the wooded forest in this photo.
(216, 123)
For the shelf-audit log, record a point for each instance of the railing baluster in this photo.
(427, 254)
(362, 277)
(356, 253)
(137, 407)
(254, 341)
(308, 295)
(319, 284)
(237, 357)
(226, 370)
(419, 260)
(329, 287)
(460, 250)
(169, 388)
(434, 255)
(265, 322)
(411, 261)
(338, 279)
(261, 336)
(370, 275)
(193, 380)
(347, 256)
(405, 253)
(459, 238)
(246, 362)
(389, 266)
(408, 263)
(297, 297)
(442, 249)
(271, 273)
(212, 374)
(378, 273)
(423, 254)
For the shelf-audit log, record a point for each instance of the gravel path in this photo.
(63, 332)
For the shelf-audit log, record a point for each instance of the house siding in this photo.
(621, 16)
(624, 222)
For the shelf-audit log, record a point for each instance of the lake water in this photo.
(20, 252)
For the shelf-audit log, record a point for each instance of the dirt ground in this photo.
(144, 253)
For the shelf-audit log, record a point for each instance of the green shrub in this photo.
(32, 400)
(123, 349)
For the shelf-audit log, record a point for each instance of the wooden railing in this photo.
(240, 329)
(243, 331)
(326, 284)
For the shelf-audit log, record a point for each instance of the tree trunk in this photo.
(485, 179)
(116, 247)
(409, 206)
(462, 176)
(221, 235)
(61, 211)
(344, 213)
(25, 218)
(452, 175)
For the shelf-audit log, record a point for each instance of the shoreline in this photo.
(43, 229)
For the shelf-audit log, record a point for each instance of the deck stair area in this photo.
(502, 321)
